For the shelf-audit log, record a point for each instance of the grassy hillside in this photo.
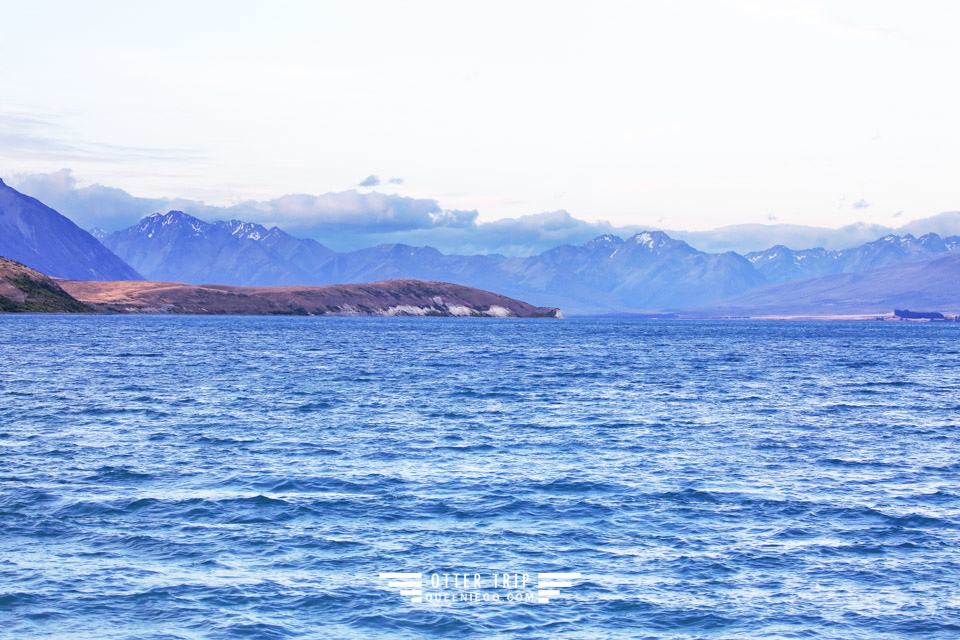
(23, 289)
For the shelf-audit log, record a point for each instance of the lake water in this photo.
(240, 477)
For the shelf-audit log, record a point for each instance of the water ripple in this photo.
(190, 477)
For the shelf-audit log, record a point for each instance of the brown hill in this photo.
(388, 298)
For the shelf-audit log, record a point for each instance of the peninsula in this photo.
(26, 290)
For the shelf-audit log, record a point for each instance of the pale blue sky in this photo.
(677, 114)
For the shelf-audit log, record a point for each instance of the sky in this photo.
(677, 114)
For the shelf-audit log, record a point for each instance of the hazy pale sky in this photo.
(674, 113)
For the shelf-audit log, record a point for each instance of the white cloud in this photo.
(349, 220)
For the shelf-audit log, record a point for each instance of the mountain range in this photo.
(181, 248)
(648, 271)
(930, 284)
(780, 264)
(749, 237)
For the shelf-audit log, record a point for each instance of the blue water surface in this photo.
(244, 477)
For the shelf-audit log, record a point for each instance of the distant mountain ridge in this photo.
(648, 271)
(929, 285)
(179, 247)
(652, 270)
(780, 264)
(40, 238)
(753, 237)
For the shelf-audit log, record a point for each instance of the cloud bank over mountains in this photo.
(345, 220)
(350, 220)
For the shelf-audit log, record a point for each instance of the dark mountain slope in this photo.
(37, 236)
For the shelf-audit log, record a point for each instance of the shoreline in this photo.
(796, 317)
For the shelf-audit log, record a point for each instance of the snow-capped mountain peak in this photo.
(604, 241)
(240, 229)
